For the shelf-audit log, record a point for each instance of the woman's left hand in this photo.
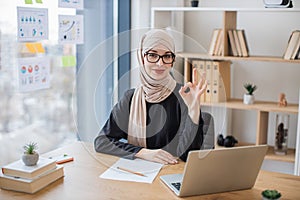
(191, 93)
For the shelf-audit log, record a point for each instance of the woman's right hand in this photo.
(156, 155)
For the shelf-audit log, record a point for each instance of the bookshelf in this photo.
(235, 58)
(172, 17)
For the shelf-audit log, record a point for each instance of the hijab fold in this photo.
(150, 90)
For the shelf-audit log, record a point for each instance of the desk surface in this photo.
(82, 181)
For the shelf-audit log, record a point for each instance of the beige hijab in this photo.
(150, 90)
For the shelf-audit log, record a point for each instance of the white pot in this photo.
(248, 99)
(30, 159)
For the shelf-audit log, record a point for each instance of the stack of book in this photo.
(29, 179)
(293, 48)
(238, 43)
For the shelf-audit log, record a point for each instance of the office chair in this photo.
(209, 131)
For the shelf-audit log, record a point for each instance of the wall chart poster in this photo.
(34, 73)
(70, 29)
(78, 4)
(32, 24)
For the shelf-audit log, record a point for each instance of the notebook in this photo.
(217, 170)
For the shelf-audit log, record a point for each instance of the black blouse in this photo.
(169, 127)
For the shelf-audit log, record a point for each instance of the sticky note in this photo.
(28, 1)
(35, 48)
(38, 1)
(30, 47)
(68, 61)
(39, 48)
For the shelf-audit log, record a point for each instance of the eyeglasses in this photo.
(154, 58)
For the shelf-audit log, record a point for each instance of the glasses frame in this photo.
(160, 57)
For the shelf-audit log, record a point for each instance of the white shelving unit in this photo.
(174, 16)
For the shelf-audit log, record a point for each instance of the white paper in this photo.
(78, 4)
(32, 24)
(34, 73)
(70, 29)
(149, 169)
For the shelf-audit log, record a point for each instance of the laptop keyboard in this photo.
(177, 185)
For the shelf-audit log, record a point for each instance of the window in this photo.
(44, 116)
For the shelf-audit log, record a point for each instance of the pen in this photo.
(130, 171)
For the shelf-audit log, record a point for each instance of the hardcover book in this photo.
(292, 43)
(243, 42)
(19, 169)
(31, 185)
(232, 43)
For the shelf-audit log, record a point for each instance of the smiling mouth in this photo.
(159, 71)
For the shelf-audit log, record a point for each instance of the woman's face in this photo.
(158, 70)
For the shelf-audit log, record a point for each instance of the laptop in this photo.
(217, 170)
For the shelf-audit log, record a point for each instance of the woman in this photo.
(160, 119)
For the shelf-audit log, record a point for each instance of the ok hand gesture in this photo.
(191, 93)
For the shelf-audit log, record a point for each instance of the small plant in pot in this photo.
(271, 195)
(30, 156)
(249, 97)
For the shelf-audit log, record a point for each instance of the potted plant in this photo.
(30, 156)
(194, 3)
(271, 194)
(249, 97)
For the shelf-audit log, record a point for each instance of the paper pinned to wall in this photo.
(32, 24)
(147, 168)
(77, 4)
(34, 73)
(70, 29)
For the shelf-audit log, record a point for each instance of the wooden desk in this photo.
(82, 181)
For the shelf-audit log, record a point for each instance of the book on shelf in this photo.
(295, 54)
(31, 185)
(201, 71)
(208, 67)
(298, 54)
(292, 46)
(217, 77)
(237, 42)
(243, 42)
(221, 46)
(213, 42)
(220, 81)
(232, 43)
(19, 169)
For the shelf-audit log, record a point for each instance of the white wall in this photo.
(267, 34)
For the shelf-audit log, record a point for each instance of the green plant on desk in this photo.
(271, 194)
(30, 156)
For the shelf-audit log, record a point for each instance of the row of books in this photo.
(17, 176)
(237, 43)
(216, 46)
(218, 79)
(293, 47)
